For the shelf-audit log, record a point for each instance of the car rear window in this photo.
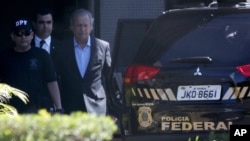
(225, 39)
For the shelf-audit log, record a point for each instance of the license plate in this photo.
(199, 92)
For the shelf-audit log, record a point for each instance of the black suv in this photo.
(182, 75)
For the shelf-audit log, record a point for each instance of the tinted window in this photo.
(129, 35)
(226, 39)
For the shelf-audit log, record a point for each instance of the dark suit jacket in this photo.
(55, 50)
(80, 93)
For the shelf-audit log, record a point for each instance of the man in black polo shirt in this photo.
(29, 69)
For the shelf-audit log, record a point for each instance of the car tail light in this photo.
(139, 72)
(245, 70)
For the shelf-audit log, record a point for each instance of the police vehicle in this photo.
(183, 75)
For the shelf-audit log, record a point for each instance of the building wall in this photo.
(112, 10)
(106, 12)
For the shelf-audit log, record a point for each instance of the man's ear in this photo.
(32, 33)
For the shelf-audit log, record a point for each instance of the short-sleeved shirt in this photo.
(28, 71)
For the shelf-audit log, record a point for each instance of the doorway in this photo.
(11, 9)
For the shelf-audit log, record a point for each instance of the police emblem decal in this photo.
(144, 116)
(33, 64)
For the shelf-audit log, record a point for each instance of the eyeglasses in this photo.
(22, 33)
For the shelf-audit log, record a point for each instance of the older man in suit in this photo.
(86, 60)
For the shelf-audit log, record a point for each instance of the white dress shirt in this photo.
(46, 45)
(82, 56)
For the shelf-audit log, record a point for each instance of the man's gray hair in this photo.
(81, 12)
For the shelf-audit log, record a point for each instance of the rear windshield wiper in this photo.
(193, 60)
